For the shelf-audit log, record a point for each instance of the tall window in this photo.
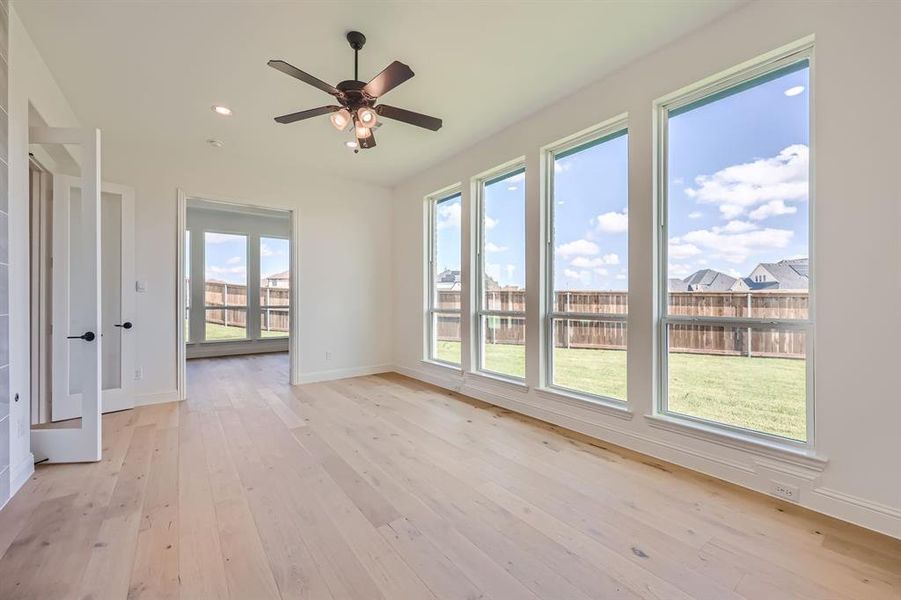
(736, 321)
(445, 286)
(588, 264)
(275, 287)
(225, 256)
(502, 274)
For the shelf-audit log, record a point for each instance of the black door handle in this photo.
(125, 325)
(87, 336)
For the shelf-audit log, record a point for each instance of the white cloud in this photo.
(679, 270)
(738, 188)
(735, 273)
(490, 223)
(613, 222)
(583, 262)
(577, 248)
(234, 260)
(773, 208)
(511, 271)
(583, 277)
(492, 247)
(681, 251)
(602, 271)
(220, 238)
(621, 276)
(214, 271)
(732, 247)
(493, 270)
(560, 167)
(448, 216)
(735, 226)
(695, 214)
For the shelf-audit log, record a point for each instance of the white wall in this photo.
(345, 255)
(29, 81)
(344, 240)
(857, 211)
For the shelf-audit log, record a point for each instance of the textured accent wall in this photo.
(4, 253)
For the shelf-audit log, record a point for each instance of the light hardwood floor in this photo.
(383, 487)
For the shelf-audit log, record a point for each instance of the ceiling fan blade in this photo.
(296, 73)
(367, 142)
(306, 114)
(408, 116)
(394, 74)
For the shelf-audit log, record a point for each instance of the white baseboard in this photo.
(738, 467)
(318, 376)
(19, 474)
(156, 398)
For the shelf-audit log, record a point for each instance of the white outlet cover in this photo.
(785, 491)
(140, 285)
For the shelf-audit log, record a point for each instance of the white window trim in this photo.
(432, 201)
(478, 193)
(616, 125)
(276, 307)
(711, 430)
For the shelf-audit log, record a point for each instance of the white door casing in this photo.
(82, 304)
(116, 297)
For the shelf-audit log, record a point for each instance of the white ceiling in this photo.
(150, 71)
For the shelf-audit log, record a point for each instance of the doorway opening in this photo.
(57, 265)
(236, 292)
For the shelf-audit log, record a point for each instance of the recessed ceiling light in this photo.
(794, 91)
(215, 143)
(351, 144)
(221, 110)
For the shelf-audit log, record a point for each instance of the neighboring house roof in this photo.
(788, 274)
(747, 284)
(282, 275)
(708, 280)
(677, 285)
(448, 280)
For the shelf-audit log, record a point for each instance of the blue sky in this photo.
(737, 190)
(226, 257)
(738, 179)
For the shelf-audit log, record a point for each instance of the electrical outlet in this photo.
(139, 374)
(328, 355)
(785, 491)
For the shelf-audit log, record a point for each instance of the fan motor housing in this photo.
(354, 94)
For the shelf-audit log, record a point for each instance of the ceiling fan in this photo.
(358, 99)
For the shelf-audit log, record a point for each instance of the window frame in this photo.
(264, 307)
(479, 182)
(245, 307)
(599, 134)
(712, 86)
(431, 313)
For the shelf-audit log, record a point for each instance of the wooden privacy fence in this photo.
(610, 335)
(232, 298)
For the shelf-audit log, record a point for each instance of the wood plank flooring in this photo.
(386, 488)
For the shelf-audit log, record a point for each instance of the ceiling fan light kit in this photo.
(357, 100)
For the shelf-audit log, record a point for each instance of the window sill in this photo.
(498, 380)
(803, 457)
(608, 407)
(443, 365)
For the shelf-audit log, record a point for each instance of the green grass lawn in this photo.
(763, 394)
(215, 331)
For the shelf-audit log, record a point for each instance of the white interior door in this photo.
(76, 340)
(116, 297)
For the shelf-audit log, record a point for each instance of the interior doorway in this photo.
(57, 262)
(236, 283)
